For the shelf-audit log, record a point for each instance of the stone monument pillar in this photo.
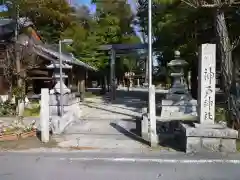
(206, 135)
(207, 84)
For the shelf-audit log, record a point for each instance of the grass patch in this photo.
(33, 111)
(238, 144)
(7, 109)
(220, 114)
(89, 95)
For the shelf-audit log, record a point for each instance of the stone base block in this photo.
(55, 99)
(178, 110)
(202, 139)
(203, 144)
(59, 124)
(145, 125)
(55, 110)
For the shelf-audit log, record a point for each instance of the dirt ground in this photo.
(34, 142)
(28, 143)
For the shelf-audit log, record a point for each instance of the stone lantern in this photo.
(177, 67)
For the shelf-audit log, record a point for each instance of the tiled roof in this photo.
(46, 50)
(7, 27)
(23, 22)
(123, 46)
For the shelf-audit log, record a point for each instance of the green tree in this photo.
(51, 17)
(184, 25)
(115, 22)
(86, 38)
(55, 19)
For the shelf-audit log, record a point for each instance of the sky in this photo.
(92, 8)
(83, 1)
(88, 3)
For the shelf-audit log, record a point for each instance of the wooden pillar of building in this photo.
(70, 79)
(81, 83)
(2, 86)
(112, 75)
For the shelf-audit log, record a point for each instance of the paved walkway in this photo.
(123, 108)
(105, 126)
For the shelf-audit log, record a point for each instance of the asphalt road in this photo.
(94, 166)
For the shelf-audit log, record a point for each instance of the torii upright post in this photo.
(112, 75)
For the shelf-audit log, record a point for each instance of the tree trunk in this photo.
(226, 62)
(225, 49)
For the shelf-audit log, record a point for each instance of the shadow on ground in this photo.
(133, 133)
(39, 134)
(132, 99)
(168, 135)
(108, 110)
(139, 99)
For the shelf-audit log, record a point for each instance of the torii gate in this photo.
(113, 48)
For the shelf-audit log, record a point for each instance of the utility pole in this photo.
(150, 43)
(146, 61)
(151, 92)
(65, 41)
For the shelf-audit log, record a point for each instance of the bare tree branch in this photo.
(235, 43)
(189, 4)
(206, 4)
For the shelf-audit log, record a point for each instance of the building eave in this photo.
(65, 57)
(108, 47)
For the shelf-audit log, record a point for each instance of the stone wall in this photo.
(213, 139)
(202, 144)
